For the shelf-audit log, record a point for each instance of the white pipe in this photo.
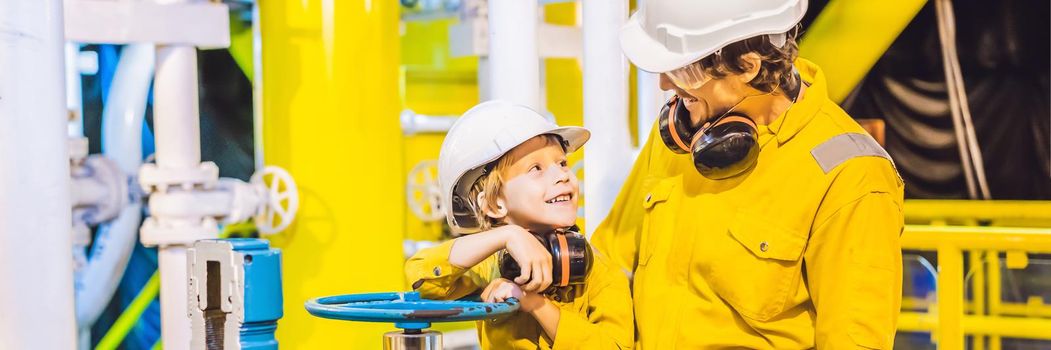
(650, 99)
(175, 118)
(191, 204)
(175, 322)
(257, 87)
(36, 258)
(178, 147)
(514, 61)
(605, 107)
(414, 123)
(88, 191)
(74, 99)
(122, 120)
(123, 116)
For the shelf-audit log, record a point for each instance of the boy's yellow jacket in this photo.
(801, 252)
(601, 318)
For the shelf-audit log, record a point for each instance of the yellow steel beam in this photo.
(922, 237)
(1011, 327)
(849, 36)
(330, 116)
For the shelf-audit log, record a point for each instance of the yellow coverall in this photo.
(601, 318)
(801, 252)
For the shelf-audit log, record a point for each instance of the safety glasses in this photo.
(690, 77)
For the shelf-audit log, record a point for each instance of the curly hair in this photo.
(776, 67)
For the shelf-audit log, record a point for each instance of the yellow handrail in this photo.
(930, 210)
(948, 321)
(925, 237)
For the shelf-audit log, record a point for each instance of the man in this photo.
(759, 214)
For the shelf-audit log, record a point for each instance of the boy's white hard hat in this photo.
(481, 136)
(667, 34)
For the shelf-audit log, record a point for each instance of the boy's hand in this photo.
(501, 289)
(532, 258)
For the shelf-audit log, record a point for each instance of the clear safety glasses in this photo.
(690, 77)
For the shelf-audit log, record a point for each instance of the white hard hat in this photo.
(667, 34)
(481, 136)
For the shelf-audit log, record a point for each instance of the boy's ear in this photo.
(483, 203)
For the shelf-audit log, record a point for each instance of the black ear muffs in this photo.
(675, 127)
(726, 148)
(720, 149)
(571, 259)
(723, 148)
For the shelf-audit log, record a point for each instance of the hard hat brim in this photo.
(648, 54)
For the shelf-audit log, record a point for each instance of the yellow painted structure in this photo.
(863, 28)
(330, 116)
(985, 317)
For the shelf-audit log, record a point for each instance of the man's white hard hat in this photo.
(667, 34)
(481, 136)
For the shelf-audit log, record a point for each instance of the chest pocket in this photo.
(755, 265)
(657, 218)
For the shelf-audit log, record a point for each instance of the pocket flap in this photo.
(767, 240)
(658, 193)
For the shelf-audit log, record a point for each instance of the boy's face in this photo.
(540, 191)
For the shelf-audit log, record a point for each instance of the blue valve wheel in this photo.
(406, 310)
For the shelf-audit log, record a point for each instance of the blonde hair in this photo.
(492, 183)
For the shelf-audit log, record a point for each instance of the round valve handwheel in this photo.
(280, 199)
(406, 310)
(422, 192)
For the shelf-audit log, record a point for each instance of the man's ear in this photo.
(501, 207)
(753, 61)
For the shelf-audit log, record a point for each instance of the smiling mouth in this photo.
(559, 199)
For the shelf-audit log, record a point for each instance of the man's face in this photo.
(540, 191)
(716, 95)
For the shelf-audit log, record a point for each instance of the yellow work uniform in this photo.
(802, 251)
(601, 318)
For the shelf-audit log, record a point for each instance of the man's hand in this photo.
(531, 256)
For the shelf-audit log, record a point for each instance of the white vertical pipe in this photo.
(650, 98)
(605, 107)
(74, 99)
(175, 319)
(178, 140)
(257, 87)
(36, 257)
(514, 60)
(178, 146)
(175, 116)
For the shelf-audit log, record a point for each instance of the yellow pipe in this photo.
(922, 237)
(330, 116)
(950, 297)
(861, 29)
(929, 209)
(1012, 327)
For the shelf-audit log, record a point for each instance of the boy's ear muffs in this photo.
(571, 259)
(483, 203)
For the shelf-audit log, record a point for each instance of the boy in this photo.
(505, 180)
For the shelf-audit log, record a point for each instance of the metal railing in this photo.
(951, 316)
